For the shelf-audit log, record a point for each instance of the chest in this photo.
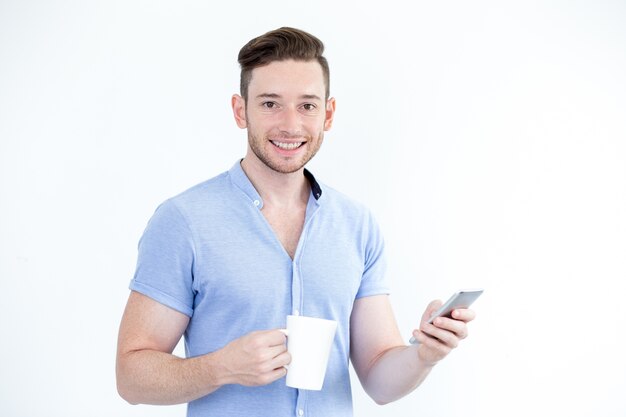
(287, 225)
(245, 281)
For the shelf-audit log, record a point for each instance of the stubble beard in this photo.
(283, 165)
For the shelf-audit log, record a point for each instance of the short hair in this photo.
(280, 45)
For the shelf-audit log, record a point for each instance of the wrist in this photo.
(212, 366)
(424, 358)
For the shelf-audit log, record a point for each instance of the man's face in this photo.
(286, 114)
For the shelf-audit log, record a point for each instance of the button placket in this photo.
(297, 296)
(301, 403)
(296, 289)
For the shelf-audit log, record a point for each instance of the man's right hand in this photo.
(258, 358)
(148, 373)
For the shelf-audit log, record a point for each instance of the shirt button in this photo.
(300, 412)
(257, 202)
(296, 312)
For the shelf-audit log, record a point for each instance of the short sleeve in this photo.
(165, 260)
(374, 280)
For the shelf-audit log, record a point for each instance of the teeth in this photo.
(287, 146)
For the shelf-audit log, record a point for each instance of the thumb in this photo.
(432, 307)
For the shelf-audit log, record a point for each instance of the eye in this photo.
(269, 104)
(309, 106)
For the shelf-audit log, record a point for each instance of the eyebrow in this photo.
(303, 96)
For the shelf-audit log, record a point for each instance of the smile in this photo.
(287, 145)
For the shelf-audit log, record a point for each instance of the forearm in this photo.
(153, 377)
(394, 374)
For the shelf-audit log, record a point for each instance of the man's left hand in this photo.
(437, 340)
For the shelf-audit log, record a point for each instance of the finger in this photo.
(436, 348)
(464, 314)
(427, 338)
(276, 337)
(272, 352)
(445, 336)
(268, 361)
(270, 337)
(420, 336)
(459, 328)
(278, 373)
(280, 361)
(270, 376)
(264, 360)
(434, 343)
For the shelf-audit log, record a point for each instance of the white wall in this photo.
(489, 138)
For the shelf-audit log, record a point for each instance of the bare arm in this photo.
(387, 368)
(148, 373)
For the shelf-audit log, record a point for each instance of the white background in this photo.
(488, 138)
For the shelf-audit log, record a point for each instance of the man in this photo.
(226, 261)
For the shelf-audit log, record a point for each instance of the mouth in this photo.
(288, 146)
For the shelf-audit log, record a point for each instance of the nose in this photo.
(290, 122)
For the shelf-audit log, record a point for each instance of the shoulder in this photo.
(204, 191)
(203, 197)
(346, 208)
(203, 194)
(338, 199)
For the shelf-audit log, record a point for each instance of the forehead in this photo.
(288, 78)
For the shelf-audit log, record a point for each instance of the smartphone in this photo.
(460, 299)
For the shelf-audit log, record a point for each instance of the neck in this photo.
(275, 188)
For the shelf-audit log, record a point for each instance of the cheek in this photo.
(314, 123)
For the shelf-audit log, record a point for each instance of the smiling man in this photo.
(226, 261)
(286, 115)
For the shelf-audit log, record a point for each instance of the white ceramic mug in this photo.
(309, 341)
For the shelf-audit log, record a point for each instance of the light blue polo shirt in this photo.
(210, 254)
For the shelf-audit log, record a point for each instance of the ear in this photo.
(239, 110)
(330, 113)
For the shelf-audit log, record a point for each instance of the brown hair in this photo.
(279, 45)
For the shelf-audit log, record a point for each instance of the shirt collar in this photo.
(241, 180)
(315, 187)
